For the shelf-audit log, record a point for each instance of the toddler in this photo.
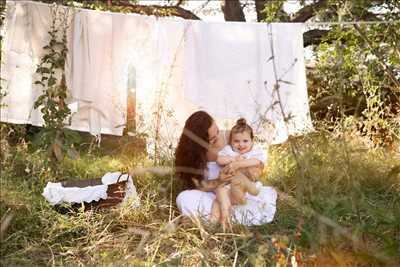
(246, 161)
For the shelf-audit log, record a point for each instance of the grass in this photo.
(339, 205)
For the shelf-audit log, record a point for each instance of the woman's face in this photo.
(213, 132)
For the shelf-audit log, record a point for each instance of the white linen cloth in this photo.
(97, 92)
(25, 33)
(258, 209)
(94, 73)
(230, 72)
(162, 108)
(255, 152)
(56, 194)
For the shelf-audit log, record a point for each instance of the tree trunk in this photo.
(232, 10)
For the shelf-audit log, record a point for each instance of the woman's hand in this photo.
(233, 167)
(225, 174)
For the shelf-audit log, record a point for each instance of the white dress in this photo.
(258, 209)
(255, 152)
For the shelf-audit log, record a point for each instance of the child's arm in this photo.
(256, 161)
(225, 156)
(244, 163)
(225, 160)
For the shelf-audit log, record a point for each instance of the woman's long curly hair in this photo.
(191, 154)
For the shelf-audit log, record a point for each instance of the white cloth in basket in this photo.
(56, 194)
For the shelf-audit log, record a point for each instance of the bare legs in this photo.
(234, 195)
(221, 207)
(239, 186)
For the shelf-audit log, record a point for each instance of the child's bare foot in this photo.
(226, 225)
(251, 187)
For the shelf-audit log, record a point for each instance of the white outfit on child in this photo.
(258, 209)
(255, 152)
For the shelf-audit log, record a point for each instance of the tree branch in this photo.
(313, 37)
(158, 11)
(308, 11)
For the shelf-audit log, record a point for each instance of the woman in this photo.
(195, 160)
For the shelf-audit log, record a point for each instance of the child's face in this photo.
(241, 142)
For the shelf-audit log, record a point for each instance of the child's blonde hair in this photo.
(240, 127)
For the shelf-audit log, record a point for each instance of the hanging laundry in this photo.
(95, 91)
(174, 66)
(93, 81)
(26, 25)
(230, 72)
(159, 94)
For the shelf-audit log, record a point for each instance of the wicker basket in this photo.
(115, 193)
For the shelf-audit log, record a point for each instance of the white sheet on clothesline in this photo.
(97, 92)
(21, 52)
(229, 72)
(96, 78)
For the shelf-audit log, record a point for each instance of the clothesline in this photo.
(351, 22)
(305, 23)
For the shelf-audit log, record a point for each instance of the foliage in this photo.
(356, 79)
(52, 101)
(349, 81)
(274, 11)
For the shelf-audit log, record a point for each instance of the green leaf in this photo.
(52, 81)
(43, 70)
(39, 82)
